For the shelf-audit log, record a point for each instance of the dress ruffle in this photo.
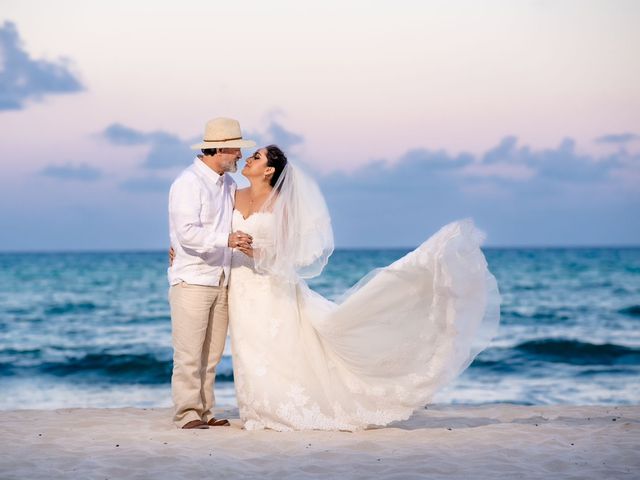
(382, 351)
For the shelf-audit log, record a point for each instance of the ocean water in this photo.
(93, 329)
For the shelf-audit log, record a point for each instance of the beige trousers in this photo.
(199, 320)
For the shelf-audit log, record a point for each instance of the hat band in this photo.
(223, 139)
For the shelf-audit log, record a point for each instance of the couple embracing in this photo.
(300, 361)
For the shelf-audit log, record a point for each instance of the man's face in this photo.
(229, 158)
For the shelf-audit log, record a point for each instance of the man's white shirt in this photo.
(200, 213)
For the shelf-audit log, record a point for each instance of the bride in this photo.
(303, 362)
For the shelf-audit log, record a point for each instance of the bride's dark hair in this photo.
(276, 159)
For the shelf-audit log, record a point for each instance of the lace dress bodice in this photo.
(258, 226)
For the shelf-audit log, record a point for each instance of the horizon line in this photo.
(348, 248)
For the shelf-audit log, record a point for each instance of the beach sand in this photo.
(492, 441)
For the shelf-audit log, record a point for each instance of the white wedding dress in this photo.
(303, 362)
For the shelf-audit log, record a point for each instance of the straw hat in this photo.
(223, 133)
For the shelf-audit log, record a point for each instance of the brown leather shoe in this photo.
(218, 422)
(195, 424)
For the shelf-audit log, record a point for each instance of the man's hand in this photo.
(248, 251)
(240, 240)
(237, 239)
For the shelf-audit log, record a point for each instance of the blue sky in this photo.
(524, 115)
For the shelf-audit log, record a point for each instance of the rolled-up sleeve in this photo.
(184, 211)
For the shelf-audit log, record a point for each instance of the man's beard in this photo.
(230, 166)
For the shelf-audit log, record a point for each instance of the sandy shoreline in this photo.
(493, 441)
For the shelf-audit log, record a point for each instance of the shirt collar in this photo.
(208, 172)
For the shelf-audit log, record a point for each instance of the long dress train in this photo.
(303, 362)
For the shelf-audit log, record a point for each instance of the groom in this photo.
(200, 208)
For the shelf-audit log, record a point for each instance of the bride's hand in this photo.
(172, 255)
(239, 239)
